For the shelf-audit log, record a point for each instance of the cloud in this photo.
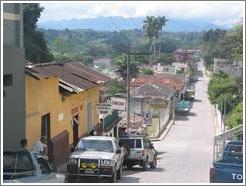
(215, 11)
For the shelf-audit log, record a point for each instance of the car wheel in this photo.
(69, 179)
(119, 172)
(154, 163)
(113, 179)
(129, 166)
(145, 164)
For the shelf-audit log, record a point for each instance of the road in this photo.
(186, 153)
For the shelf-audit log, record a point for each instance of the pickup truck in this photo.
(95, 156)
(28, 167)
(229, 169)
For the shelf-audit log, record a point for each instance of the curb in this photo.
(165, 132)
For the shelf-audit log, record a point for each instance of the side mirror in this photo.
(118, 151)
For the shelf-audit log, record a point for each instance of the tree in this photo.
(34, 43)
(147, 71)
(161, 22)
(115, 87)
(236, 116)
(150, 29)
(120, 66)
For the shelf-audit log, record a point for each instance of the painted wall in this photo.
(42, 97)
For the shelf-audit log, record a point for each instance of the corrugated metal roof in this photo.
(72, 72)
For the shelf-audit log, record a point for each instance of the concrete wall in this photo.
(14, 66)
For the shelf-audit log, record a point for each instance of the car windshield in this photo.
(97, 145)
(128, 142)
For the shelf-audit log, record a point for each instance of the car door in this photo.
(46, 173)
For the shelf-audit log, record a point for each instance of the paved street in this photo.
(185, 155)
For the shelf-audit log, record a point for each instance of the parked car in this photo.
(141, 151)
(229, 169)
(28, 167)
(96, 156)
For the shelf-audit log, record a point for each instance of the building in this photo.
(163, 69)
(183, 56)
(13, 76)
(155, 103)
(234, 68)
(61, 101)
(172, 81)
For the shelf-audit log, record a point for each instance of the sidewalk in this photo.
(164, 131)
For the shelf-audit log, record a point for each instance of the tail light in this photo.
(142, 152)
(211, 175)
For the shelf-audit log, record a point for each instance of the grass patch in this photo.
(154, 128)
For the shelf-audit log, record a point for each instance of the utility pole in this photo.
(224, 114)
(128, 92)
(128, 84)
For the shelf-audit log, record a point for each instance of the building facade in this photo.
(13, 76)
(61, 101)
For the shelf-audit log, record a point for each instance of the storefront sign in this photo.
(118, 103)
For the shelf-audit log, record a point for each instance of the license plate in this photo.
(89, 172)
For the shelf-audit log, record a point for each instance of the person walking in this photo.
(23, 144)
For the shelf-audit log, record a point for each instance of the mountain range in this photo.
(120, 23)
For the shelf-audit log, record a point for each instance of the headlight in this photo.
(106, 162)
(72, 161)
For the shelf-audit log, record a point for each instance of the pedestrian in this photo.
(40, 146)
(23, 144)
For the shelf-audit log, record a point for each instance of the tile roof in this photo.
(151, 90)
(172, 81)
(71, 72)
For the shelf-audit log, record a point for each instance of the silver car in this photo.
(140, 152)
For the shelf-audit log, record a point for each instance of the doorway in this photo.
(75, 124)
(45, 131)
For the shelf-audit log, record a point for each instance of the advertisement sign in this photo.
(147, 118)
(118, 103)
(104, 108)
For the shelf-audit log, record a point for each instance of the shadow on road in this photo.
(184, 116)
(136, 169)
(197, 100)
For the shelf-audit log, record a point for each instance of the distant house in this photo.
(61, 103)
(102, 62)
(151, 97)
(234, 68)
(184, 56)
(172, 81)
(153, 101)
(163, 69)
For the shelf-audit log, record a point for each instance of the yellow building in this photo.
(61, 103)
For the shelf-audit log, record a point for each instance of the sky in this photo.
(218, 12)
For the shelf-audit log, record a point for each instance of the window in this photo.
(45, 125)
(8, 80)
(138, 143)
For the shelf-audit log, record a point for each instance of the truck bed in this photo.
(227, 172)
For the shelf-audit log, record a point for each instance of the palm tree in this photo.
(150, 30)
(161, 22)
